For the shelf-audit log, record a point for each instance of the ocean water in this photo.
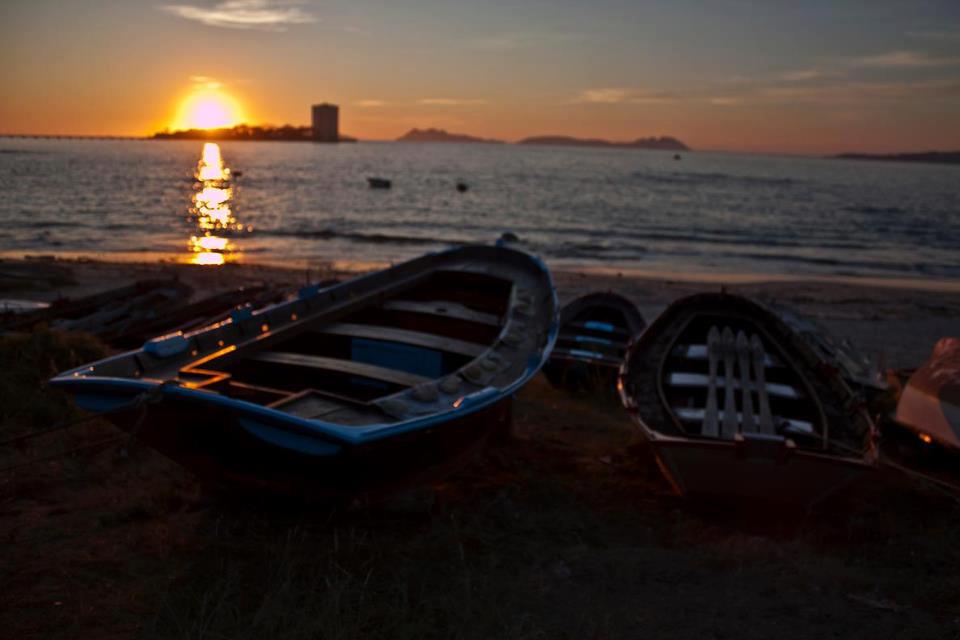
(576, 207)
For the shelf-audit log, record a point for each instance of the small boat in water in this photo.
(351, 388)
(594, 332)
(736, 404)
(379, 183)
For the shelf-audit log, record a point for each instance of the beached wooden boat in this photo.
(594, 332)
(191, 315)
(859, 372)
(735, 403)
(930, 403)
(108, 313)
(344, 389)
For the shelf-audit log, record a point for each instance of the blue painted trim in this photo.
(585, 354)
(599, 326)
(75, 381)
(593, 340)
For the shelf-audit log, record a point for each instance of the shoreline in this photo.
(708, 278)
(895, 327)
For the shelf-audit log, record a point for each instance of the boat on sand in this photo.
(357, 387)
(594, 332)
(735, 403)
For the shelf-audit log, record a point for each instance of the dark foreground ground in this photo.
(562, 531)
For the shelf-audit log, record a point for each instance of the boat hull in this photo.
(731, 471)
(228, 450)
(594, 332)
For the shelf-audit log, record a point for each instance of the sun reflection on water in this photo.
(211, 210)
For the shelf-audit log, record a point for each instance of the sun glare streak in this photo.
(211, 210)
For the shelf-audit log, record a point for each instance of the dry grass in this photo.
(561, 532)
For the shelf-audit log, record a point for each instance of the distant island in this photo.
(305, 134)
(663, 143)
(933, 157)
(288, 133)
(439, 135)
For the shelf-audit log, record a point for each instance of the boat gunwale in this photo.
(867, 455)
(74, 381)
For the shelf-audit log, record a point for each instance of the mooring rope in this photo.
(151, 396)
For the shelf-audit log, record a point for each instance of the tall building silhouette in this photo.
(326, 123)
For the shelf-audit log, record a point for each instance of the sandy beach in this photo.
(895, 324)
(565, 530)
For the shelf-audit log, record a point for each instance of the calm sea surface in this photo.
(621, 209)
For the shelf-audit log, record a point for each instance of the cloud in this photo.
(826, 90)
(370, 103)
(725, 101)
(618, 95)
(516, 40)
(448, 102)
(861, 92)
(903, 59)
(935, 34)
(271, 15)
(206, 82)
(801, 75)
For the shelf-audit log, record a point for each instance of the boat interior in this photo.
(598, 332)
(725, 375)
(385, 350)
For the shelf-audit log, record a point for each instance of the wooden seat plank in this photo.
(361, 369)
(701, 380)
(592, 327)
(403, 336)
(443, 308)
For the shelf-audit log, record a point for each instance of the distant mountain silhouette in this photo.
(936, 157)
(439, 135)
(663, 143)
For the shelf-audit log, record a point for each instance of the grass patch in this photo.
(27, 361)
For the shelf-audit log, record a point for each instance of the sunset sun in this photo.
(208, 109)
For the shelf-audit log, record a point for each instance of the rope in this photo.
(151, 396)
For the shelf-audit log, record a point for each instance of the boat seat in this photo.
(395, 376)
(444, 308)
(694, 415)
(598, 328)
(579, 354)
(702, 380)
(699, 352)
(403, 336)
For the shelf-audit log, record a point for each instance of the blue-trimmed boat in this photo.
(595, 330)
(340, 390)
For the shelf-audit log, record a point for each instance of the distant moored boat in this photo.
(379, 183)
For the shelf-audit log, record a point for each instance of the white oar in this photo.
(711, 426)
(729, 403)
(759, 359)
(743, 356)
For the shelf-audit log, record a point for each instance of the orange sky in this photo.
(738, 76)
